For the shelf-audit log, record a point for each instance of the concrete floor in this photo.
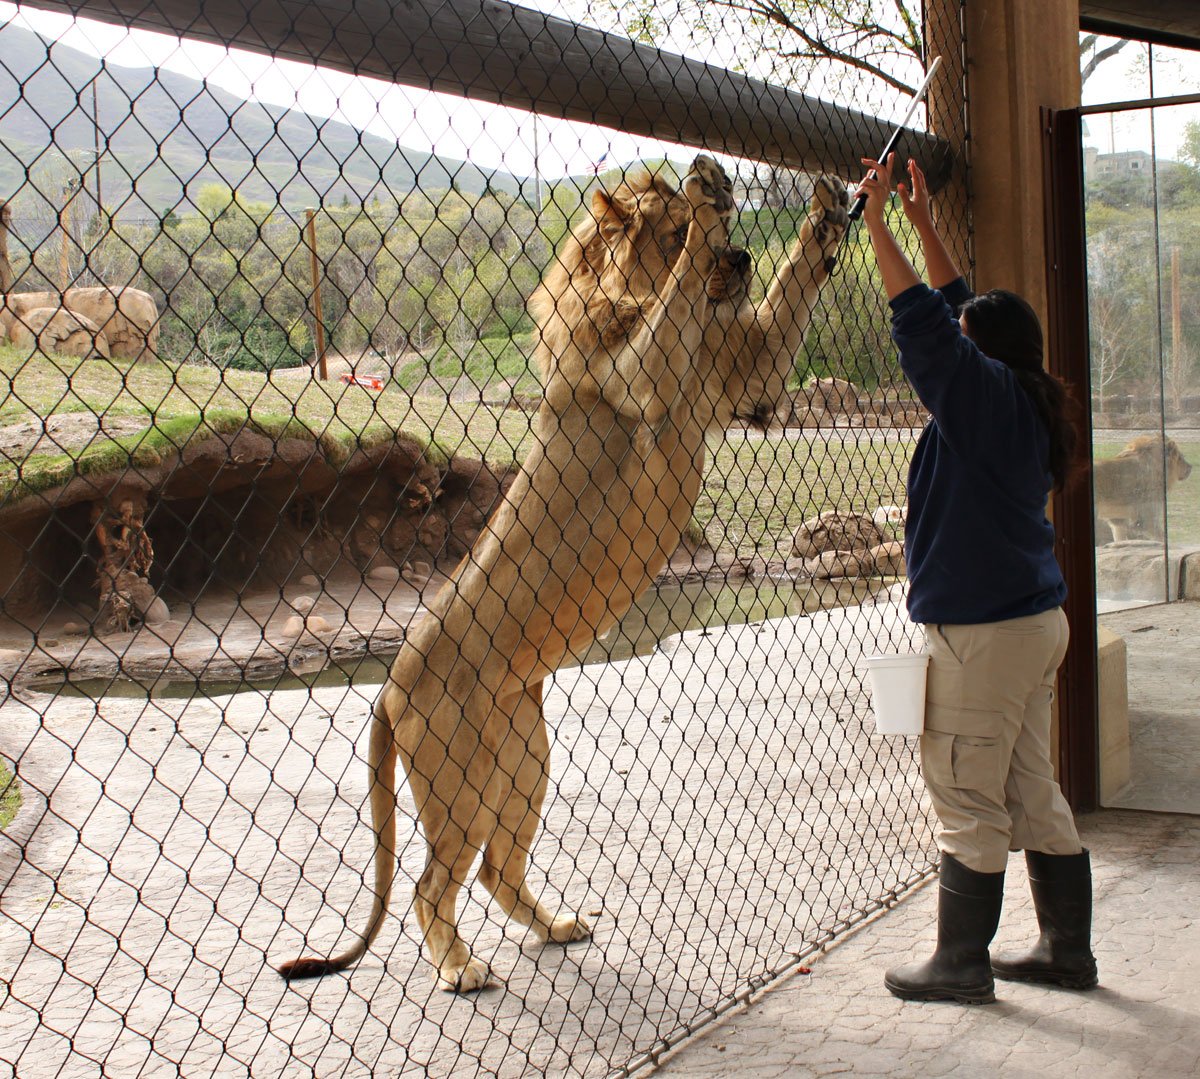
(704, 821)
(1162, 647)
(1143, 1020)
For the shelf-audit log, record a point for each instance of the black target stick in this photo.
(857, 209)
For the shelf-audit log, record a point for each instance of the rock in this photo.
(294, 626)
(309, 580)
(835, 530)
(47, 642)
(301, 604)
(888, 559)
(127, 318)
(74, 629)
(313, 623)
(146, 602)
(157, 613)
(169, 631)
(890, 515)
(11, 660)
(839, 564)
(832, 394)
(1136, 569)
(57, 329)
(422, 569)
(384, 574)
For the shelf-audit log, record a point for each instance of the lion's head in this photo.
(617, 259)
(1155, 451)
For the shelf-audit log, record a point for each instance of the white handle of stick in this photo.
(857, 209)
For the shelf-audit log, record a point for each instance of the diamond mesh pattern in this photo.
(280, 416)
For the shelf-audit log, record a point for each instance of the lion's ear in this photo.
(614, 216)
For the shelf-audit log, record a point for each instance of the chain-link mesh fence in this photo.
(312, 373)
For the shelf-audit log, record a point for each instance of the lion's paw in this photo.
(830, 209)
(707, 185)
(468, 978)
(567, 928)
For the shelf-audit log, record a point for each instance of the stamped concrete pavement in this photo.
(1143, 1020)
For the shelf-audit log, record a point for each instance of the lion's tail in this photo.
(383, 817)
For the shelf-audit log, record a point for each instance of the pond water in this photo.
(662, 612)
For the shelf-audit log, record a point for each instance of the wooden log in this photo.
(509, 55)
(126, 555)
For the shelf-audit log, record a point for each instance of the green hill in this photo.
(168, 135)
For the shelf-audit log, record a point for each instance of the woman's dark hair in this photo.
(1006, 328)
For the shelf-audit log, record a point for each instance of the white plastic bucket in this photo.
(897, 686)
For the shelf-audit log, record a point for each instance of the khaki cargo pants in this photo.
(985, 752)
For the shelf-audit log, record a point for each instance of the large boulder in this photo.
(832, 394)
(56, 329)
(835, 530)
(128, 317)
(885, 560)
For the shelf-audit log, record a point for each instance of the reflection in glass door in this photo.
(1142, 197)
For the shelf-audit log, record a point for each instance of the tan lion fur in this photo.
(1129, 487)
(648, 342)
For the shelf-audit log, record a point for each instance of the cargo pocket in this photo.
(960, 748)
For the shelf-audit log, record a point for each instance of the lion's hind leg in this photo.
(456, 825)
(525, 759)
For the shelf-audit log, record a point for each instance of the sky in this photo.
(495, 137)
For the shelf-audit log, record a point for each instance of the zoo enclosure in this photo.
(170, 840)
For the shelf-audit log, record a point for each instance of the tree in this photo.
(879, 38)
(869, 36)
(1088, 45)
(1189, 148)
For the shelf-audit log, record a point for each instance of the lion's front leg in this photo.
(655, 362)
(785, 312)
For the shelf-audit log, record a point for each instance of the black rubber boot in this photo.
(1062, 896)
(968, 913)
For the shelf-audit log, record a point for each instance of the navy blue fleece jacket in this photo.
(977, 542)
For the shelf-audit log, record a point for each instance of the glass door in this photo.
(1142, 205)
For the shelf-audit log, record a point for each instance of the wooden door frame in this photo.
(1068, 357)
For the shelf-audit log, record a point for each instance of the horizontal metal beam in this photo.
(498, 52)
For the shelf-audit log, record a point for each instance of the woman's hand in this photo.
(914, 199)
(877, 186)
(894, 267)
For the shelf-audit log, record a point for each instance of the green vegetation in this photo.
(10, 795)
(758, 490)
(162, 408)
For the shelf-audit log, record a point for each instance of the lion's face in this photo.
(618, 259)
(640, 232)
(1177, 468)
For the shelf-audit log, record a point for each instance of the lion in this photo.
(1129, 488)
(648, 341)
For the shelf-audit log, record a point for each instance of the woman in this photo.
(984, 582)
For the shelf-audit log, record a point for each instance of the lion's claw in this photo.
(708, 185)
(831, 201)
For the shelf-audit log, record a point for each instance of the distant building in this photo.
(1122, 164)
